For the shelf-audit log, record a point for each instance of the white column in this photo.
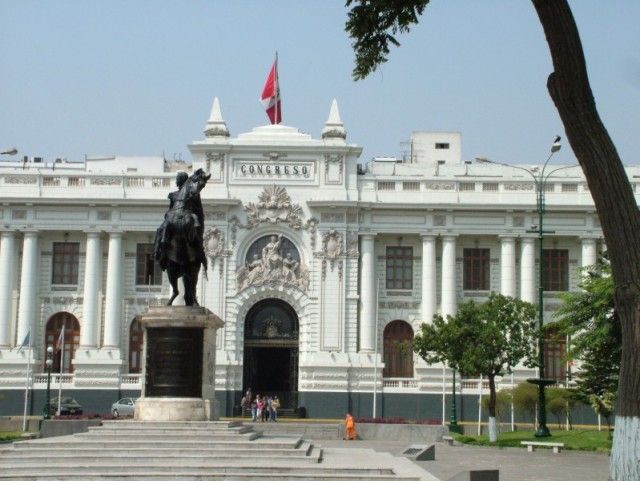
(367, 294)
(428, 277)
(28, 285)
(508, 266)
(528, 270)
(92, 282)
(449, 304)
(7, 256)
(589, 252)
(113, 297)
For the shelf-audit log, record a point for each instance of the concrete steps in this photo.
(208, 451)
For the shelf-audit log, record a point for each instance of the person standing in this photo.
(245, 404)
(254, 408)
(259, 407)
(275, 405)
(350, 428)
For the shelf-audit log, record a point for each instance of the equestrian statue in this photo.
(178, 246)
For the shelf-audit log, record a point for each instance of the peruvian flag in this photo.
(270, 97)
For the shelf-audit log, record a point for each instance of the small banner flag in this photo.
(25, 341)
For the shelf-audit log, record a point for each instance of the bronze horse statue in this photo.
(178, 246)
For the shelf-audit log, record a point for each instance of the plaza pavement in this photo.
(515, 464)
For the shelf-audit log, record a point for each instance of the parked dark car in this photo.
(68, 405)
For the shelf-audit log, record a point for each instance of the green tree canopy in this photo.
(591, 320)
(485, 339)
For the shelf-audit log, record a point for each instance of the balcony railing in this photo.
(400, 383)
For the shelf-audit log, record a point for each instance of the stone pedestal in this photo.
(179, 370)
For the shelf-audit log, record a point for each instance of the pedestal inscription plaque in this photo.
(174, 362)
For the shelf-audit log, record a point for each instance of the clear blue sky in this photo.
(138, 77)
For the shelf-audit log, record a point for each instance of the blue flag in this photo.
(25, 342)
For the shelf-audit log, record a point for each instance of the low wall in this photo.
(410, 433)
(14, 423)
(64, 427)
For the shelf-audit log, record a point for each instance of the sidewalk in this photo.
(515, 464)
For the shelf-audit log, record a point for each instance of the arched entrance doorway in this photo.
(271, 351)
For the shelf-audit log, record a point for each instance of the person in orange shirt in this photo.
(350, 428)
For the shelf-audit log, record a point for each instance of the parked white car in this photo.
(123, 407)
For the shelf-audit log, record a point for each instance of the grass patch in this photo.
(9, 435)
(578, 439)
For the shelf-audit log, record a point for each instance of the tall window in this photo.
(66, 259)
(398, 355)
(148, 271)
(62, 352)
(555, 346)
(556, 269)
(135, 347)
(399, 267)
(476, 269)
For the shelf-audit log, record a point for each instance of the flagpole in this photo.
(61, 366)
(277, 90)
(26, 387)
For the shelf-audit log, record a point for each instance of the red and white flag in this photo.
(60, 343)
(270, 97)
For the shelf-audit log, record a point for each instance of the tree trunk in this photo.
(493, 432)
(613, 196)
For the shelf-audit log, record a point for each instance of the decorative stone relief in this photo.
(106, 180)
(332, 249)
(20, 179)
(352, 244)
(518, 186)
(399, 304)
(18, 214)
(235, 224)
(439, 220)
(334, 217)
(311, 225)
(441, 186)
(213, 241)
(352, 217)
(518, 221)
(215, 215)
(274, 207)
(273, 269)
(104, 215)
(333, 168)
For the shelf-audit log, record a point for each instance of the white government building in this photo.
(322, 269)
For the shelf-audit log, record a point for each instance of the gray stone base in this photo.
(173, 409)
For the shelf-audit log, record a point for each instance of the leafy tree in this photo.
(603, 405)
(560, 402)
(525, 398)
(503, 404)
(482, 339)
(590, 318)
(373, 24)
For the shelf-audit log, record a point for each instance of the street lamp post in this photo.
(45, 412)
(540, 182)
(453, 419)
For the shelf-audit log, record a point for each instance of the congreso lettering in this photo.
(275, 169)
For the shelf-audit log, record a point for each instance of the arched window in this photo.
(53, 337)
(398, 354)
(135, 347)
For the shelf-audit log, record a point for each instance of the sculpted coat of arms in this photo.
(274, 207)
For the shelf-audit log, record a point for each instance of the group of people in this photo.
(263, 408)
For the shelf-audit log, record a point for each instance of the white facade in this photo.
(275, 180)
